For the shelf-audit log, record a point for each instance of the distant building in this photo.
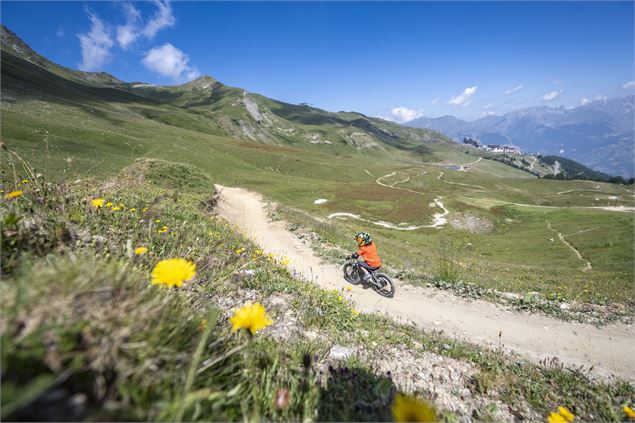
(495, 148)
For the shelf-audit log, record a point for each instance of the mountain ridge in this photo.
(598, 134)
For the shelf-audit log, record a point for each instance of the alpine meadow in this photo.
(175, 252)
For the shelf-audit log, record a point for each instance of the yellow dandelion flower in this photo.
(564, 412)
(97, 202)
(24, 181)
(157, 220)
(14, 194)
(143, 210)
(109, 204)
(349, 289)
(173, 272)
(629, 412)
(132, 210)
(340, 298)
(258, 252)
(140, 250)
(556, 418)
(252, 317)
(410, 409)
(162, 230)
(116, 208)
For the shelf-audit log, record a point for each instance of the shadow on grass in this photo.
(355, 394)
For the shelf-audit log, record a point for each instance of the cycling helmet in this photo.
(363, 238)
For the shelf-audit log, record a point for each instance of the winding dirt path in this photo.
(610, 349)
(438, 219)
(457, 183)
(587, 266)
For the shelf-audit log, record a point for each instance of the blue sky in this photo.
(396, 60)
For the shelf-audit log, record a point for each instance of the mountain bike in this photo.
(380, 282)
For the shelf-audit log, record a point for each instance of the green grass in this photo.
(102, 130)
(79, 317)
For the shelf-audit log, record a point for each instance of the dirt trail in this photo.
(610, 349)
(587, 265)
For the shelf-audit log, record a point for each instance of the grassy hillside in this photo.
(87, 335)
(295, 154)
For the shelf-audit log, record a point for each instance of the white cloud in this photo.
(628, 85)
(489, 113)
(557, 82)
(488, 106)
(584, 101)
(436, 100)
(162, 18)
(465, 98)
(168, 60)
(133, 28)
(600, 97)
(513, 90)
(552, 95)
(95, 45)
(403, 114)
(60, 32)
(128, 33)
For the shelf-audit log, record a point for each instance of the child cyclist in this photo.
(368, 251)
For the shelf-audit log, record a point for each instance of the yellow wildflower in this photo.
(116, 208)
(173, 272)
(629, 412)
(355, 312)
(562, 415)
(25, 181)
(143, 210)
(14, 194)
(132, 210)
(109, 204)
(556, 418)
(250, 316)
(340, 298)
(258, 252)
(410, 409)
(97, 202)
(163, 230)
(157, 220)
(564, 412)
(349, 289)
(140, 250)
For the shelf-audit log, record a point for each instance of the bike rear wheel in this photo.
(351, 274)
(387, 286)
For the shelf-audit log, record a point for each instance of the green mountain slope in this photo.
(89, 126)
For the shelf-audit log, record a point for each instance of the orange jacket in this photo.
(369, 253)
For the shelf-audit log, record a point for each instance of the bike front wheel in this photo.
(351, 275)
(386, 286)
